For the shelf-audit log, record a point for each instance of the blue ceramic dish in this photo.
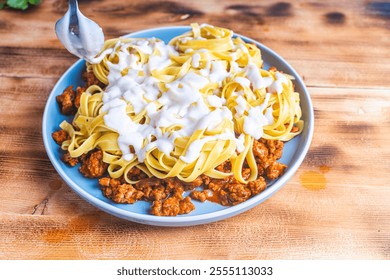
(293, 154)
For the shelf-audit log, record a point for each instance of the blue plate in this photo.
(293, 154)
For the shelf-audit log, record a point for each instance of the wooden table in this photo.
(337, 206)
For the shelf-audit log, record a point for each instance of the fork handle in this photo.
(73, 21)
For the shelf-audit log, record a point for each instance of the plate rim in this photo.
(182, 220)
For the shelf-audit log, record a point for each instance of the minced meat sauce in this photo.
(167, 195)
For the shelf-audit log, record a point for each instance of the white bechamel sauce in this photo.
(254, 76)
(206, 70)
(243, 81)
(182, 105)
(240, 143)
(216, 101)
(158, 62)
(144, 46)
(236, 68)
(218, 71)
(196, 147)
(277, 85)
(88, 43)
(256, 119)
(241, 106)
(195, 60)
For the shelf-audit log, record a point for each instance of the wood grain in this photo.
(335, 207)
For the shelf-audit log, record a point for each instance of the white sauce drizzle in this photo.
(254, 76)
(195, 60)
(241, 106)
(182, 105)
(254, 122)
(277, 85)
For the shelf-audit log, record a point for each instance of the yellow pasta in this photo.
(184, 108)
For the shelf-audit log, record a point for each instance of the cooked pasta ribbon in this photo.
(182, 109)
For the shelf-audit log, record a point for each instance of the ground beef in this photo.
(109, 182)
(60, 136)
(90, 79)
(257, 186)
(157, 193)
(294, 129)
(157, 208)
(233, 194)
(229, 191)
(168, 207)
(174, 186)
(275, 169)
(66, 158)
(246, 173)
(201, 196)
(194, 184)
(206, 179)
(92, 165)
(266, 152)
(66, 101)
(152, 188)
(185, 206)
(136, 174)
(167, 195)
(260, 150)
(172, 206)
(69, 100)
(216, 184)
(225, 167)
(79, 92)
(275, 148)
(118, 192)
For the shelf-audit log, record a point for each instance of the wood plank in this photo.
(25, 62)
(335, 206)
(275, 229)
(344, 44)
(348, 141)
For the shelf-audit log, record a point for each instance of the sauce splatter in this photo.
(314, 180)
(68, 231)
(324, 168)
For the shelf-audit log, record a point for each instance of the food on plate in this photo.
(198, 114)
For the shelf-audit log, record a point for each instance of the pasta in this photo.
(182, 109)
